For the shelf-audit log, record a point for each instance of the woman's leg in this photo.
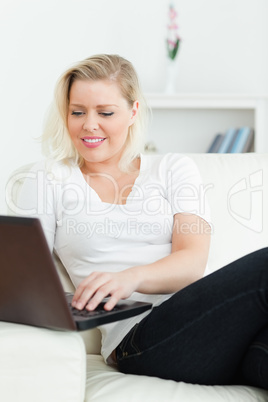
(201, 334)
(254, 366)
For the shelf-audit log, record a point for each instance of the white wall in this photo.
(224, 49)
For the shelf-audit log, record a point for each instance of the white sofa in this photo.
(52, 366)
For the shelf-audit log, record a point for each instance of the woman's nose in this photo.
(90, 124)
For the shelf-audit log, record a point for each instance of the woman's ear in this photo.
(134, 112)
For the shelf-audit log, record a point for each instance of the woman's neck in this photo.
(89, 168)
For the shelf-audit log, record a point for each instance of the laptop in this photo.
(31, 292)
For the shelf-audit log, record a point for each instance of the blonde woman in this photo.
(130, 225)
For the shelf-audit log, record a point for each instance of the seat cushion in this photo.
(105, 384)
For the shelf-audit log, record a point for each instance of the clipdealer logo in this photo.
(250, 192)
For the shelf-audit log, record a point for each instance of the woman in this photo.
(128, 225)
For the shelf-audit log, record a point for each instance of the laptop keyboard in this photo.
(85, 313)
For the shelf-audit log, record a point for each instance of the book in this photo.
(217, 140)
(228, 137)
(244, 140)
(235, 140)
(248, 147)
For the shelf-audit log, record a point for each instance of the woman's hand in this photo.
(98, 285)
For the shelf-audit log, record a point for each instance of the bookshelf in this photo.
(189, 122)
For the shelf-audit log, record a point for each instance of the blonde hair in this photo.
(57, 143)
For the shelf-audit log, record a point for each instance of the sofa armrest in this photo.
(41, 365)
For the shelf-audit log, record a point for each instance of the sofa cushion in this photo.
(106, 384)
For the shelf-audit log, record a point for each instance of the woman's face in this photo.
(98, 120)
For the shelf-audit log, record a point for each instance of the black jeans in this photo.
(214, 331)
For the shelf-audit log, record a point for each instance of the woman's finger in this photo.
(91, 289)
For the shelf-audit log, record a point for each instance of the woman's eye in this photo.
(77, 113)
(106, 114)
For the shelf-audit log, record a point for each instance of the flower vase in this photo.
(172, 67)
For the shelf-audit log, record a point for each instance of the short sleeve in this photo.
(185, 190)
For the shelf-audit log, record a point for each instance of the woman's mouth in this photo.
(93, 142)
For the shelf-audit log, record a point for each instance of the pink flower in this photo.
(171, 42)
(172, 13)
(173, 26)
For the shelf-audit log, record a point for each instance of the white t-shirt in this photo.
(90, 235)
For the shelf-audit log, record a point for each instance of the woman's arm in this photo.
(185, 265)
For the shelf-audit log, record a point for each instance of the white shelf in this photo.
(256, 104)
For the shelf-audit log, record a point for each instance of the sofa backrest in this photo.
(237, 189)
